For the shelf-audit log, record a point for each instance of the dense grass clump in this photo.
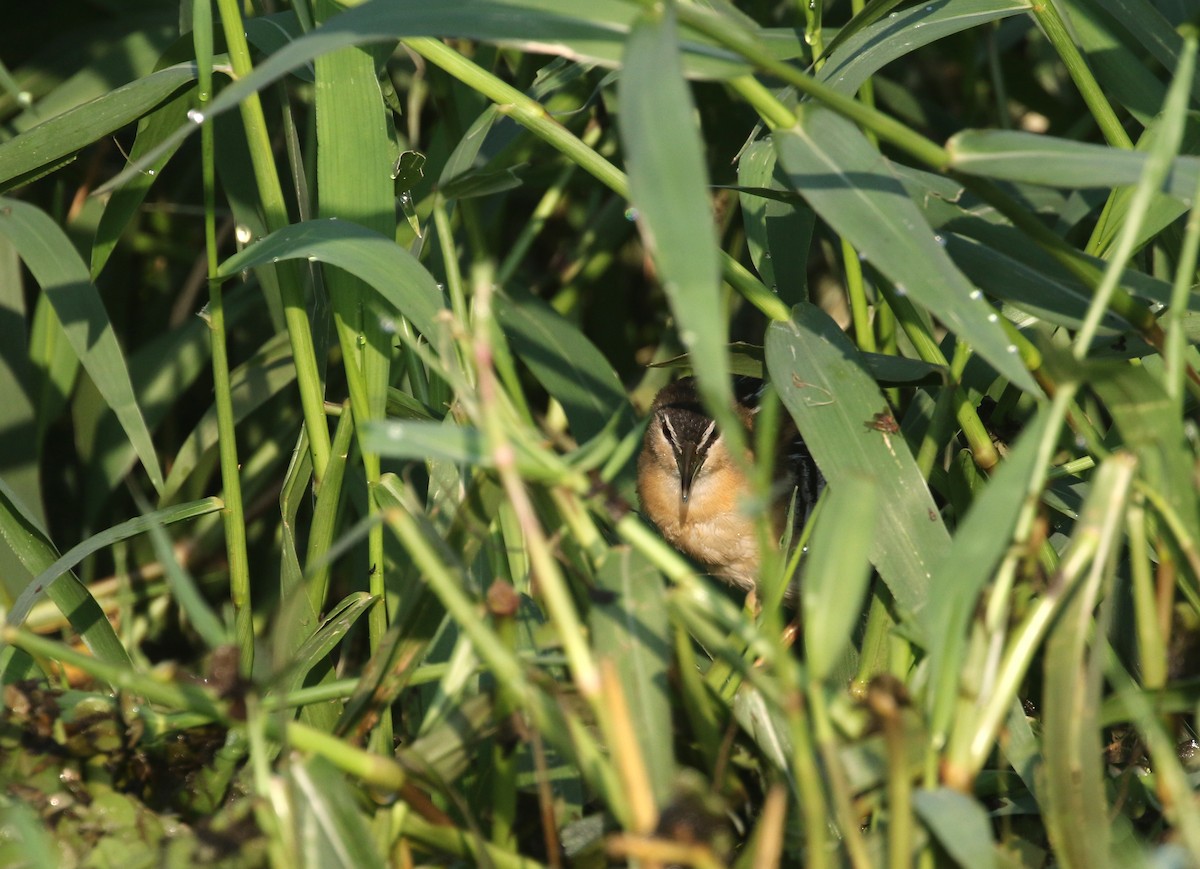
(326, 337)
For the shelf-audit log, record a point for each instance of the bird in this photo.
(697, 495)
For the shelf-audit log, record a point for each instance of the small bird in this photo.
(698, 496)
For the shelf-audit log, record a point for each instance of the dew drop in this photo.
(976, 295)
(25, 98)
(312, 258)
(150, 172)
(243, 234)
(1012, 348)
(388, 325)
(993, 318)
(631, 214)
(940, 239)
(195, 116)
(901, 290)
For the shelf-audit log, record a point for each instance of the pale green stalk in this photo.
(233, 515)
(308, 377)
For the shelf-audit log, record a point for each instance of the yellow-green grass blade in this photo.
(630, 629)
(64, 279)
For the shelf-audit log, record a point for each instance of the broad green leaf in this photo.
(848, 183)
(566, 363)
(837, 571)
(353, 145)
(668, 184)
(1016, 156)
(868, 50)
(64, 279)
(960, 824)
(390, 270)
(47, 144)
(631, 631)
(838, 407)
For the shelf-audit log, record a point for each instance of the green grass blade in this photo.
(829, 161)
(632, 632)
(776, 232)
(391, 270)
(668, 184)
(153, 131)
(837, 572)
(567, 364)
(1015, 156)
(850, 63)
(47, 144)
(265, 374)
(19, 436)
(835, 403)
(64, 279)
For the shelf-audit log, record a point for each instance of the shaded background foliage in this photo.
(955, 236)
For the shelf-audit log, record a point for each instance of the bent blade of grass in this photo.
(668, 185)
(852, 61)
(848, 183)
(263, 375)
(50, 142)
(567, 364)
(73, 598)
(392, 272)
(843, 417)
(64, 279)
(777, 232)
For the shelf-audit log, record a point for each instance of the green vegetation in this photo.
(324, 338)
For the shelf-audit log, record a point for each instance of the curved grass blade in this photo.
(391, 271)
(867, 49)
(567, 364)
(848, 183)
(153, 131)
(778, 231)
(72, 597)
(843, 417)
(668, 184)
(1015, 156)
(47, 144)
(64, 279)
